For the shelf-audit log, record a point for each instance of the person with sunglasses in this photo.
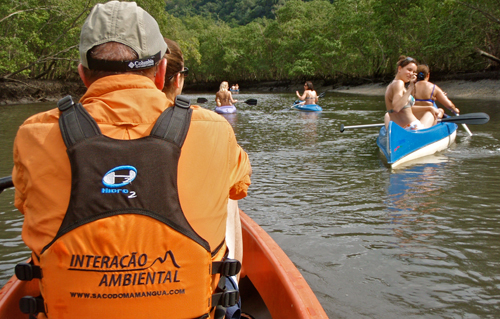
(427, 93)
(174, 82)
(224, 99)
(399, 99)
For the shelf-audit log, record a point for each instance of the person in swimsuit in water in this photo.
(309, 96)
(224, 96)
(426, 93)
(399, 100)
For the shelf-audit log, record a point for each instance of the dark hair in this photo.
(175, 62)
(405, 60)
(114, 51)
(309, 85)
(422, 72)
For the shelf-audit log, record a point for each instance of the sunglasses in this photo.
(185, 72)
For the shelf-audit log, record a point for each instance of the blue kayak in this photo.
(307, 107)
(398, 145)
(227, 109)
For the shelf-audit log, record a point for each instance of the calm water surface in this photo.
(422, 241)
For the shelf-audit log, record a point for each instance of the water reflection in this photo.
(310, 126)
(232, 118)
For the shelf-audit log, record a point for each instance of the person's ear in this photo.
(160, 74)
(81, 72)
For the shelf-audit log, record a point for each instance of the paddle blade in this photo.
(201, 100)
(6, 182)
(470, 118)
(251, 101)
(321, 94)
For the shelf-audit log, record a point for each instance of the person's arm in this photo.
(234, 239)
(217, 99)
(443, 99)
(303, 97)
(18, 179)
(316, 97)
(400, 97)
(231, 98)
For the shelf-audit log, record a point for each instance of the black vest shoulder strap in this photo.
(173, 123)
(75, 122)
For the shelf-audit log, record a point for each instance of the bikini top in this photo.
(411, 101)
(430, 99)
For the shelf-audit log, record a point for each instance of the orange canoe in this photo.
(270, 285)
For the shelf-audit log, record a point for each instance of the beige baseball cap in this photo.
(126, 23)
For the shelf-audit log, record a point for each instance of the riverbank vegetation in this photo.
(262, 40)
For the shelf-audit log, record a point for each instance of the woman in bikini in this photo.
(426, 93)
(224, 96)
(399, 100)
(309, 96)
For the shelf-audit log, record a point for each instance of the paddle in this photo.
(342, 127)
(6, 182)
(465, 126)
(470, 118)
(249, 101)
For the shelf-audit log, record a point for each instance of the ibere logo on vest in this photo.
(118, 177)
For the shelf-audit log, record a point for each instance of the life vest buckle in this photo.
(31, 305)
(225, 299)
(27, 272)
(228, 267)
(182, 101)
(65, 103)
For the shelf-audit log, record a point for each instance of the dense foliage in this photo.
(268, 39)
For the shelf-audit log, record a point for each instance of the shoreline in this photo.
(482, 89)
(36, 91)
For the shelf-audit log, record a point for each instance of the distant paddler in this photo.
(309, 97)
(224, 99)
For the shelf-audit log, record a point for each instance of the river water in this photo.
(422, 241)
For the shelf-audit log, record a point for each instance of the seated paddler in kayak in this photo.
(125, 194)
(399, 100)
(427, 93)
(174, 82)
(224, 99)
(309, 97)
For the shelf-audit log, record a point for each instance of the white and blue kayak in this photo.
(398, 145)
(226, 109)
(307, 107)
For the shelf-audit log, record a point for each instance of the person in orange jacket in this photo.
(122, 65)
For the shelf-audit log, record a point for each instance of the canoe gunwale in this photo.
(266, 265)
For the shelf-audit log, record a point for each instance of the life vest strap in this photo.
(227, 267)
(27, 271)
(75, 122)
(31, 305)
(226, 298)
(173, 124)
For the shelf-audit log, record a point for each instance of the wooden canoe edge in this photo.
(281, 285)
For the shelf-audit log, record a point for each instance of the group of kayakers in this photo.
(125, 196)
(414, 107)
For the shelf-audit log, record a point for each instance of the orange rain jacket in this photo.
(212, 166)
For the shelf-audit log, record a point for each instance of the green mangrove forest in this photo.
(269, 40)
